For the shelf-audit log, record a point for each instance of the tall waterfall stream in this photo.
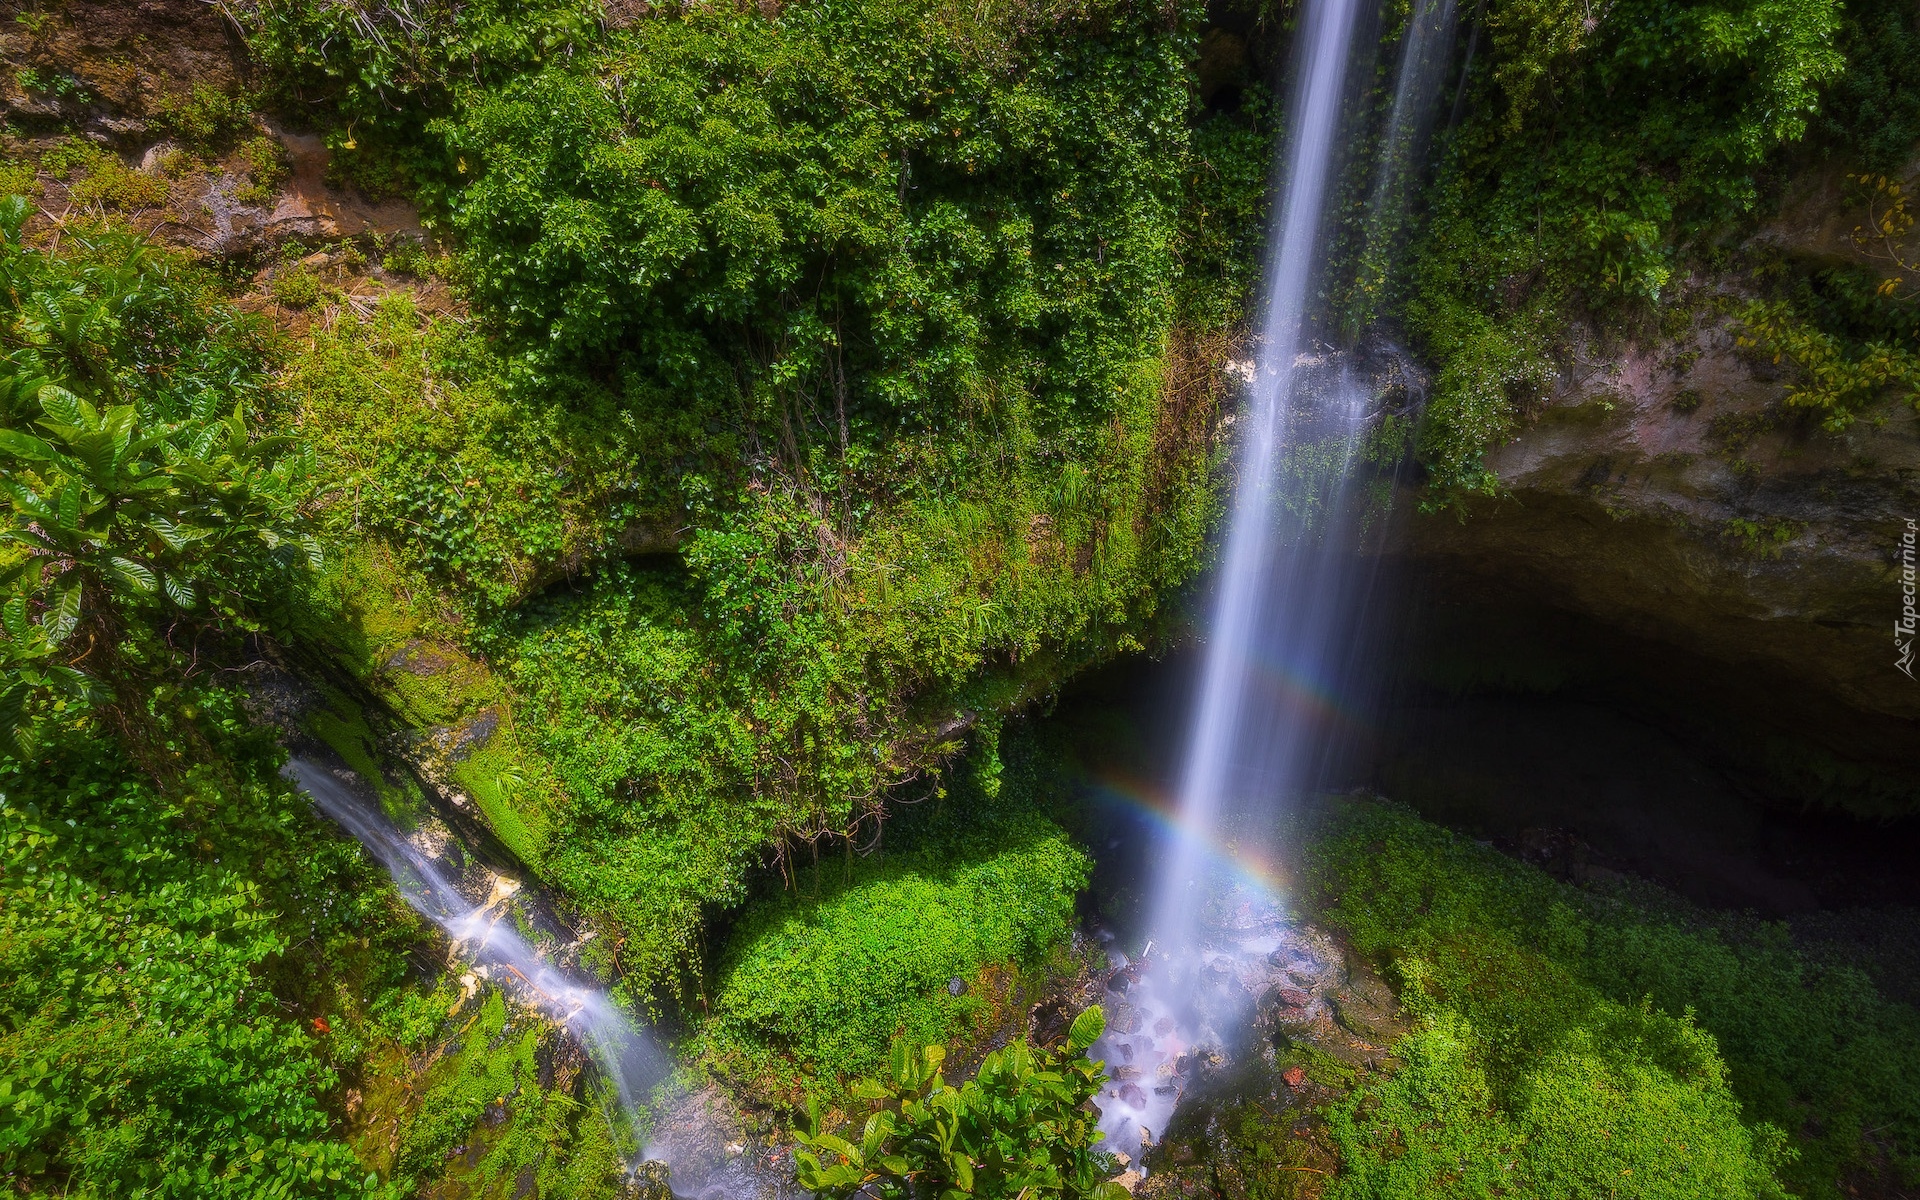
(1291, 594)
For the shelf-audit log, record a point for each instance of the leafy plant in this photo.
(817, 980)
(1838, 378)
(103, 179)
(119, 505)
(152, 1036)
(382, 73)
(296, 287)
(266, 167)
(1020, 1127)
(206, 120)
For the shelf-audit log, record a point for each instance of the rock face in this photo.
(111, 66)
(1667, 491)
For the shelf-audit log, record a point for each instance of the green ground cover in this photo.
(1571, 1035)
(876, 338)
(818, 977)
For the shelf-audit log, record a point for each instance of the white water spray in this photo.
(625, 1055)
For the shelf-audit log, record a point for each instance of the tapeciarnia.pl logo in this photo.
(1904, 624)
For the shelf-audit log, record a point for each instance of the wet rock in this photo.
(417, 657)
(1665, 490)
(649, 1181)
(956, 986)
(1366, 1007)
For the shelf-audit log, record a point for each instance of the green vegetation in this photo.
(1609, 152)
(855, 325)
(1572, 1036)
(1018, 1128)
(156, 1038)
(787, 394)
(485, 1098)
(136, 492)
(817, 980)
(193, 969)
(207, 121)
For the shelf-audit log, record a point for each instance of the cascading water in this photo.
(625, 1055)
(1291, 593)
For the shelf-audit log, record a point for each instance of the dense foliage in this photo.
(1552, 1048)
(818, 979)
(137, 493)
(1020, 1127)
(1607, 150)
(155, 1035)
(856, 323)
(157, 870)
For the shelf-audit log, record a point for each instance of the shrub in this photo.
(143, 1047)
(1600, 145)
(136, 493)
(267, 168)
(105, 180)
(206, 120)
(296, 287)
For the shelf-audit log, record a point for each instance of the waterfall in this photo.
(1279, 600)
(1424, 53)
(1279, 653)
(481, 935)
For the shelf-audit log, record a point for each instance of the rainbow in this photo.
(1249, 865)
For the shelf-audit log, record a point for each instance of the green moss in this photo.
(495, 777)
(817, 979)
(1578, 1035)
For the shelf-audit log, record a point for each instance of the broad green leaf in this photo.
(14, 617)
(1086, 1029)
(133, 574)
(64, 408)
(24, 445)
(63, 615)
(840, 1146)
(962, 1168)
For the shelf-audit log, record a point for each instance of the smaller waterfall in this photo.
(1425, 51)
(481, 935)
